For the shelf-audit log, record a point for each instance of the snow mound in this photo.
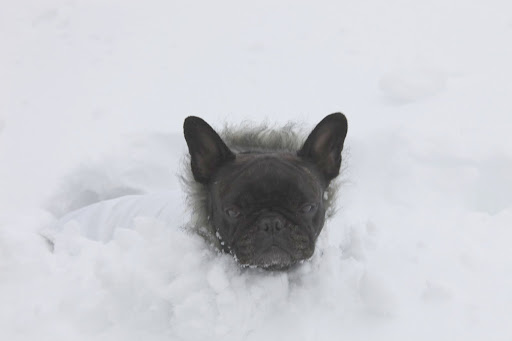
(410, 85)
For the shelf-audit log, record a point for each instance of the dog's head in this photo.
(266, 208)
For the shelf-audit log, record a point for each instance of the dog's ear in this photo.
(324, 145)
(207, 150)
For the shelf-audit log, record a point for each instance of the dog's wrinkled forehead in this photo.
(269, 178)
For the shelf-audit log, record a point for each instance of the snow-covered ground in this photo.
(92, 99)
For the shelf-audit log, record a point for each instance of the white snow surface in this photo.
(92, 99)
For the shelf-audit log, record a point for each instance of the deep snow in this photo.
(92, 99)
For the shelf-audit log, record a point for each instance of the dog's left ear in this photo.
(207, 150)
(324, 145)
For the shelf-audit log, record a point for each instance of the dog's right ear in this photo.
(207, 150)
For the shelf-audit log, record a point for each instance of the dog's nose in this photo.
(271, 224)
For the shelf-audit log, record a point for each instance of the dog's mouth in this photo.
(274, 258)
(276, 251)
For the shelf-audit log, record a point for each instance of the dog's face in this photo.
(267, 208)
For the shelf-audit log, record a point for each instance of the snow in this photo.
(92, 99)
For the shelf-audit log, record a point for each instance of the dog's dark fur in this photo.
(263, 194)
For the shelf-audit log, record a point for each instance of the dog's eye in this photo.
(307, 208)
(232, 212)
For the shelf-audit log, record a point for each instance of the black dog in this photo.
(265, 203)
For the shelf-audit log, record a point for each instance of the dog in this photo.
(263, 197)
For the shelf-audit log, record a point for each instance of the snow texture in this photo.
(92, 100)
